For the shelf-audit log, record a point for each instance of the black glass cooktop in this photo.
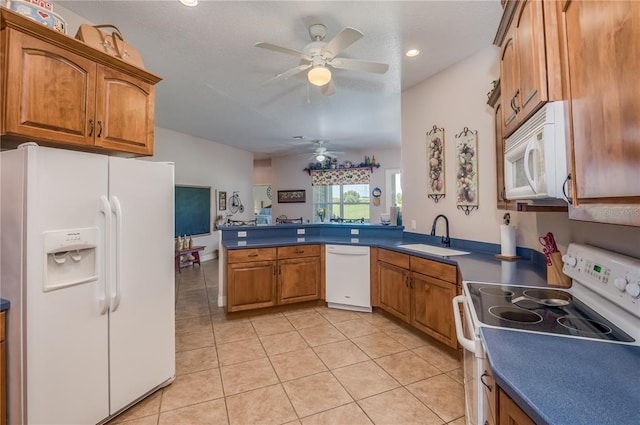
(540, 310)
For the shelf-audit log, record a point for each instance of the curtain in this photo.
(340, 176)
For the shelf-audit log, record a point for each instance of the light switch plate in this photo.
(355, 231)
(355, 240)
(242, 234)
(300, 239)
(242, 243)
(300, 231)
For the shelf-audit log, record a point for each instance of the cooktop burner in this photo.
(540, 310)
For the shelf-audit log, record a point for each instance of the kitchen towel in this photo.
(507, 240)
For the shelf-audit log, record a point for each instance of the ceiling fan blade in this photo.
(284, 50)
(344, 39)
(359, 65)
(328, 89)
(286, 74)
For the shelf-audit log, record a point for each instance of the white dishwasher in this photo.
(348, 277)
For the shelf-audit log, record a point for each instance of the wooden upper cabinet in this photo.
(64, 93)
(529, 53)
(509, 82)
(124, 112)
(530, 45)
(602, 66)
(52, 91)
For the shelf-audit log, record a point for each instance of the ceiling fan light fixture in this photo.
(320, 157)
(319, 76)
(412, 52)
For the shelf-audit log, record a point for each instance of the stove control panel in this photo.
(613, 276)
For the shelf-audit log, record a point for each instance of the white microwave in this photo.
(535, 163)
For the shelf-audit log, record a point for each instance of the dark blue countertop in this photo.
(4, 304)
(555, 380)
(566, 381)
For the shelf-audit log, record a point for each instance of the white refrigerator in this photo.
(87, 263)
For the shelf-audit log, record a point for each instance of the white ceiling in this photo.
(212, 71)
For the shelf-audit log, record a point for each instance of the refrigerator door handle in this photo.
(105, 209)
(117, 210)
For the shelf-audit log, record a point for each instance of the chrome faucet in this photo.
(445, 238)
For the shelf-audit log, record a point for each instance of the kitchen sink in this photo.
(434, 250)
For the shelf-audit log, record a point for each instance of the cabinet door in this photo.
(51, 96)
(530, 48)
(3, 372)
(298, 280)
(394, 289)
(124, 112)
(431, 310)
(603, 60)
(251, 285)
(502, 202)
(509, 83)
(511, 413)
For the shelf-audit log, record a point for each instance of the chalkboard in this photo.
(193, 210)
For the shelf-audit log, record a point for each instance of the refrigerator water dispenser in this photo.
(70, 257)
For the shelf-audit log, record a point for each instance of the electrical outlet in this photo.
(413, 225)
(300, 231)
(355, 231)
(300, 239)
(242, 243)
(242, 234)
(355, 240)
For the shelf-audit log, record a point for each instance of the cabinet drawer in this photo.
(435, 269)
(298, 251)
(252, 254)
(395, 258)
(2, 325)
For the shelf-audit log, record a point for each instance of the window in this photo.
(394, 192)
(342, 201)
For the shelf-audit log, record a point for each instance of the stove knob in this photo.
(620, 283)
(569, 260)
(633, 289)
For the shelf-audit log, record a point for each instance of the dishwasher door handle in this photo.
(347, 250)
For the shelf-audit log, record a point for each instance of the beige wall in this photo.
(287, 174)
(202, 162)
(454, 99)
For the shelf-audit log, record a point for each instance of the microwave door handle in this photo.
(531, 146)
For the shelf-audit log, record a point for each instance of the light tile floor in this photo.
(310, 366)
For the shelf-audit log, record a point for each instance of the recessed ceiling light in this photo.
(190, 3)
(412, 52)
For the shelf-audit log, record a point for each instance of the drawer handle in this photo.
(252, 255)
(489, 387)
(299, 251)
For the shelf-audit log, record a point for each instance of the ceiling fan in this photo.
(321, 153)
(318, 56)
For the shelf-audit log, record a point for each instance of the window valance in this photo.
(340, 176)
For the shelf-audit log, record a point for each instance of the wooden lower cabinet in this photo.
(298, 280)
(395, 294)
(251, 285)
(419, 292)
(265, 277)
(431, 307)
(511, 413)
(490, 393)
